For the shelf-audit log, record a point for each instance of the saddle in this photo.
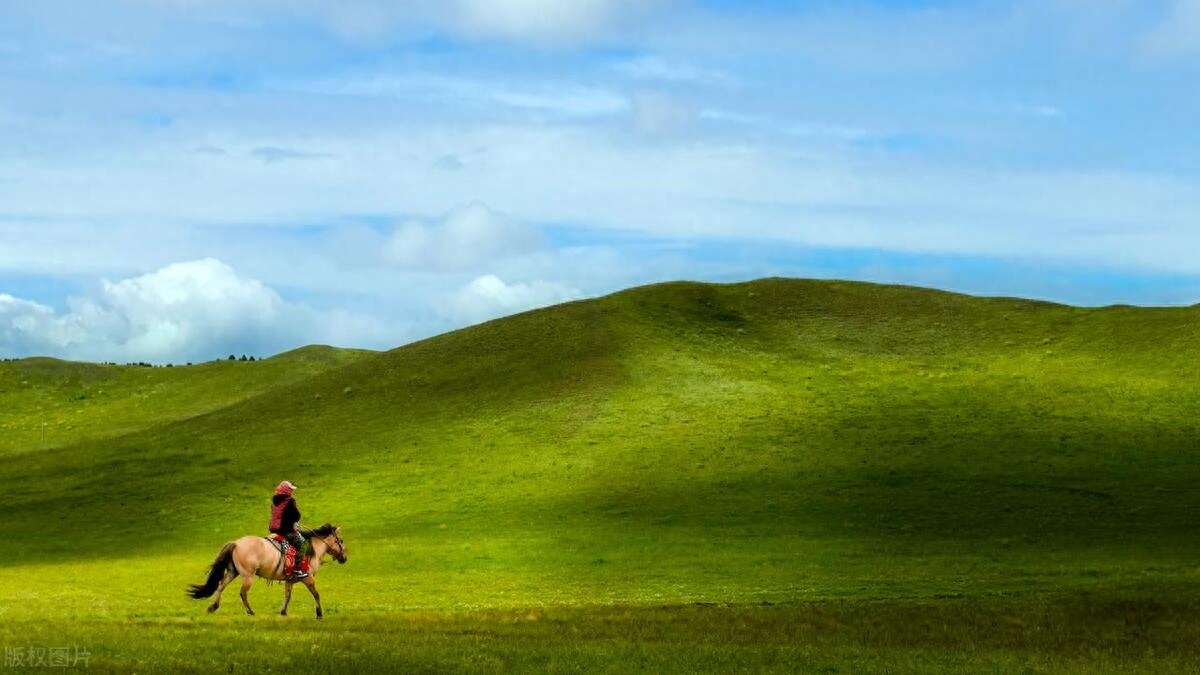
(288, 554)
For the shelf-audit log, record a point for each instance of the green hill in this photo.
(53, 403)
(775, 441)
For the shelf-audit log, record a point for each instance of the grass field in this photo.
(781, 475)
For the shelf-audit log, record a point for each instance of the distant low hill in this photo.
(760, 441)
(50, 403)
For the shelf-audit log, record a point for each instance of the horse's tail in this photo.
(215, 574)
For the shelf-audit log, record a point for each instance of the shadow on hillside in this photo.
(1109, 482)
(911, 504)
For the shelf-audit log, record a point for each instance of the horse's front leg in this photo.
(287, 597)
(247, 582)
(312, 588)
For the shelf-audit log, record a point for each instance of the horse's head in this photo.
(337, 547)
(331, 536)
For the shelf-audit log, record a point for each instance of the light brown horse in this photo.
(251, 556)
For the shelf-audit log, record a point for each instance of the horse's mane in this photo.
(322, 531)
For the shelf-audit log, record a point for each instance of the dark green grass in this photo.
(782, 441)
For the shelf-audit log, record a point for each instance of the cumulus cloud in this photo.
(489, 296)
(188, 310)
(466, 237)
(22, 323)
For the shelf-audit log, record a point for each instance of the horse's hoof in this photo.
(250, 612)
(212, 608)
(284, 613)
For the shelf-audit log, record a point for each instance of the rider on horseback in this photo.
(285, 519)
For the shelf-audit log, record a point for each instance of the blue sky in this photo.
(185, 178)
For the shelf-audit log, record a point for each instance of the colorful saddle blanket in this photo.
(288, 552)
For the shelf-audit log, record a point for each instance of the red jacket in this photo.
(284, 512)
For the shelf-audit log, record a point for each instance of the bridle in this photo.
(340, 555)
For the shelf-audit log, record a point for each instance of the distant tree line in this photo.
(145, 364)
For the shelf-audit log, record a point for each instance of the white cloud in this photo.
(794, 155)
(489, 296)
(806, 192)
(560, 98)
(465, 238)
(551, 21)
(567, 100)
(546, 22)
(22, 323)
(658, 68)
(189, 310)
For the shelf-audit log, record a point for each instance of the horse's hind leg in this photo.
(287, 597)
(216, 603)
(247, 582)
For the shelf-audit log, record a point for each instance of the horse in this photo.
(250, 556)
